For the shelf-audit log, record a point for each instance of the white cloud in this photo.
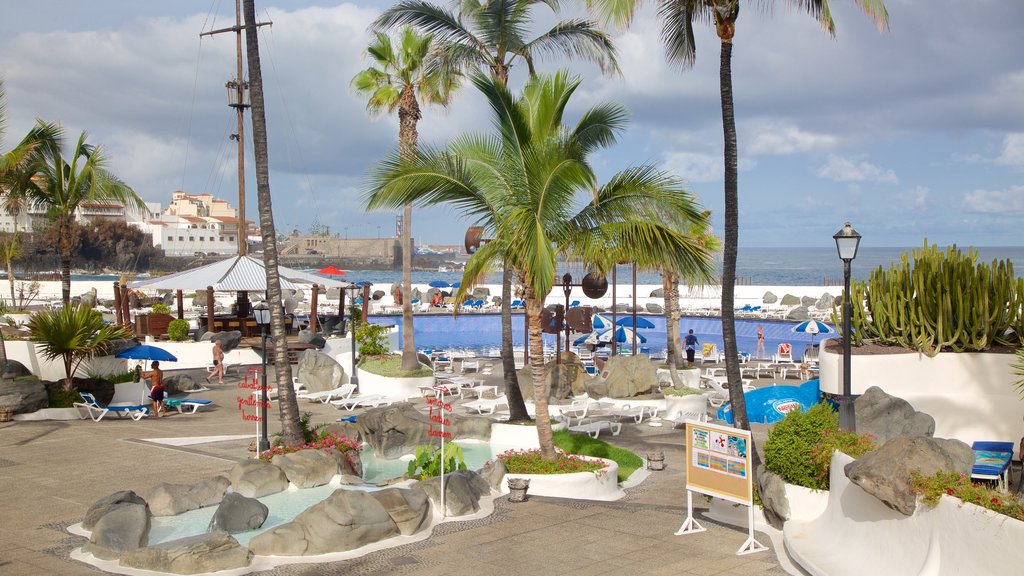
(843, 169)
(775, 137)
(1006, 201)
(1013, 150)
(918, 198)
(695, 167)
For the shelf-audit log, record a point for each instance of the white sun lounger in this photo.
(97, 411)
(594, 427)
(185, 406)
(487, 405)
(340, 393)
(361, 401)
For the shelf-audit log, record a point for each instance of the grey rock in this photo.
(345, 520)
(290, 304)
(348, 463)
(825, 302)
(229, 340)
(122, 529)
(481, 293)
(565, 379)
(775, 504)
(462, 492)
(180, 383)
(885, 473)
(396, 430)
(769, 298)
(238, 513)
(597, 389)
(104, 505)
(630, 376)
(377, 295)
(89, 298)
(319, 372)
(15, 369)
(408, 508)
(199, 300)
(790, 300)
(798, 314)
(808, 302)
(658, 293)
(256, 478)
(168, 499)
(758, 436)
(306, 468)
(310, 337)
(493, 473)
(23, 394)
(334, 294)
(654, 308)
(886, 417)
(193, 555)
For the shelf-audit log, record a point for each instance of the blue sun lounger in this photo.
(186, 405)
(97, 411)
(992, 462)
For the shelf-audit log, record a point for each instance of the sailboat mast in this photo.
(240, 86)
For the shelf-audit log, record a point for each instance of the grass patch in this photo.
(670, 391)
(390, 366)
(585, 445)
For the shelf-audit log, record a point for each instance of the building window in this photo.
(202, 238)
(231, 238)
(181, 238)
(191, 238)
(221, 238)
(170, 238)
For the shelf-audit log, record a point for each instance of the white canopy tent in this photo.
(235, 274)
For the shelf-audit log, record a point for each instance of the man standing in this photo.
(218, 363)
(156, 392)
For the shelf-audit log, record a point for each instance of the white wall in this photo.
(970, 395)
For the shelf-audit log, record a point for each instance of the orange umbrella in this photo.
(331, 270)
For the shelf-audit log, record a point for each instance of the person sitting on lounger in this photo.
(156, 393)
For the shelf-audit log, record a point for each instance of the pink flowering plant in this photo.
(328, 441)
(960, 486)
(531, 462)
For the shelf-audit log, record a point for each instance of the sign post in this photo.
(254, 384)
(718, 461)
(439, 418)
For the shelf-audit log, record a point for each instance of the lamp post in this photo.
(847, 241)
(354, 288)
(261, 313)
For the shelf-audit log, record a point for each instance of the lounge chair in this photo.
(992, 462)
(583, 408)
(95, 410)
(351, 402)
(487, 405)
(637, 413)
(720, 395)
(594, 427)
(186, 405)
(710, 353)
(342, 392)
(784, 353)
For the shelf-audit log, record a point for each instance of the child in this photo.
(156, 393)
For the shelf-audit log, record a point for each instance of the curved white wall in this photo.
(970, 395)
(396, 389)
(578, 485)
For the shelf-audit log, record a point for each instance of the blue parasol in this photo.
(439, 284)
(146, 352)
(601, 322)
(813, 327)
(641, 322)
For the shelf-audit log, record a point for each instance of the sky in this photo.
(912, 134)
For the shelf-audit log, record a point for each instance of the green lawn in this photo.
(391, 367)
(585, 445)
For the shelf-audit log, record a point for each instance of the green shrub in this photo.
(584, 445)
(63, 398)
(161, 308)
(310, 432)
(122, 377)
(799, 448)
(177, 330)
(687, 391)
(355, 316)
(372, 339)
(427, 463)
(391, 367)
(960, 486)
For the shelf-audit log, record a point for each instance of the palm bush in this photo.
(73, 334)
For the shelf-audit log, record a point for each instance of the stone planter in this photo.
(579, 485)
(656, 460)
(517, 488)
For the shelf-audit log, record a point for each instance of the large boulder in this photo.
(798, 314)
(15, 369)
(481, 293)
(408, 508)
(23, 394)
(790, 300)
(307, 468)
(180, 383)
(396, 430)
(493, 473)
(319, 372)
(256, 478)
(168, 499)
(886, 417)
(88, 299)
(825, 302)
(654, 308)
(311, 337)
(566, 378)
(774, 502)
(106, 504)
(658, 293)
(345, 520)
(229, 340)
(462, 492)
(193, 555)
(630, 376)
(122, 529)
(808, 301)
(769, 298)
(885, 473)
(377, 295)
(238, 513)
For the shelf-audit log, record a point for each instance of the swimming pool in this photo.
(482, 333)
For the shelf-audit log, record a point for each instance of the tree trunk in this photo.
(64, 245)
(289, 408)
(3, 356)
(10, 280)
(408, 138)
(516, 405)
(670, 284)
(540, 384)
(732, 364)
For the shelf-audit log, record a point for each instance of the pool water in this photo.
(286, 505)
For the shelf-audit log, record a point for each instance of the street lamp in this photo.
(353, 288)
(261, 313)
(847, 241)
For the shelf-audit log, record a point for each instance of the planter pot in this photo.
(152, 324)
(656, 460)
(579, 485)
(517, 488)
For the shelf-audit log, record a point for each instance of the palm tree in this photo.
(73, 334)
(291, 429)
(393, 82)
(531, 175)
(677, 18)
(62, 187)
(490, 37)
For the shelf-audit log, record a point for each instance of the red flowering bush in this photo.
(960, 486)
(329, 441)
(531, 462)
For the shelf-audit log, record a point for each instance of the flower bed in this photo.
(330, 442)
(531, 462)
(600, 485)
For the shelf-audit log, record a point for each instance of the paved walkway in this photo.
(51, 472)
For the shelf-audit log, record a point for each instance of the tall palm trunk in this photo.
(670, 284)
(289, 408)
(732, 364)
(516, 405)
(64, 246)
(10, 279)
(540, 384)
(408, 116)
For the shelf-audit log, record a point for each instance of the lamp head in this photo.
(847, 241)
(261, 313)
